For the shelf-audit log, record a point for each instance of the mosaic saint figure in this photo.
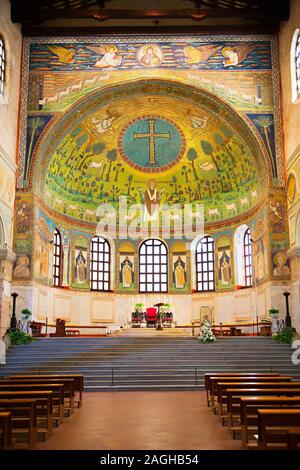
(225, 269)
(281, 268)
(179, 274)
(150, 56)
(110, 57)
(80, 268)
(127, 273)
(151, 198)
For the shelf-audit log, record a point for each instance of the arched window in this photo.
(295, 65)
(100, 264)
(57, 257)
(153, 261)
(205, 265)
(248, 258)
(2, 67)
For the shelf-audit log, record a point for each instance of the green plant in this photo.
(273, 311)
(19, 337)
(285, 335)
(139, 307)
(26, 313)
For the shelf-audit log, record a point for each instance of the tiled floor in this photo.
(142, 420)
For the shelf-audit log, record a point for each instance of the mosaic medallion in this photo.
(151, 144)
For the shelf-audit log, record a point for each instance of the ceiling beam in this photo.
(263, 28)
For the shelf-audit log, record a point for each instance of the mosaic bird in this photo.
(65, 55)
(194, 55)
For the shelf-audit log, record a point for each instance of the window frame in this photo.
(57, 259)
(295, 66)
(201, 272)
(247, 243)
(105, 265)
(149, 267)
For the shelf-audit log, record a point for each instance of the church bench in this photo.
(258, 382)
(208, 376)
(273, 425)
(5, 430)
(293, 438)
(214, 381)
(67, 383)
(77, 378)
(57, 389)
(44, 411)
(249, 407)
(23, 420)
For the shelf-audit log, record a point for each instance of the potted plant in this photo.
(274, 314)
(26, 314)
(166, 313)
(136, 315)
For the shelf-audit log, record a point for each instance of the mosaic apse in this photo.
(186, 144)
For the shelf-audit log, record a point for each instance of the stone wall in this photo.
(291, 122)
(9, 108)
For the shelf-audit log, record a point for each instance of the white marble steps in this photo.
(148, 363)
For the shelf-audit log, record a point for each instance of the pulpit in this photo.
(151, 316)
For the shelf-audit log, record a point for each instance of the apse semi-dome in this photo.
(188, 144)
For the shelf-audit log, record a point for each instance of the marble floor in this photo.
(141, 420)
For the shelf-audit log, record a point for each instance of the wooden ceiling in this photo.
(90, 16)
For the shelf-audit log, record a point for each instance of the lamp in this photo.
(288, 320)
(13, 321)
(160, 304)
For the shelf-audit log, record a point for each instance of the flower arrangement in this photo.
(207, 335)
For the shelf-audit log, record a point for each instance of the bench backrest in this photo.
(207, 377)
(276, 418)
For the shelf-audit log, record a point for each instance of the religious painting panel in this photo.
(126, 271)
(80, 263)
(260, 251)
(279, 235)
(43, 248)
(179, 271)
(281, 269)
(224, 261)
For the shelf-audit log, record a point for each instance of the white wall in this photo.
(90, 308)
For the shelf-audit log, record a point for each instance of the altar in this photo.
(152, 317)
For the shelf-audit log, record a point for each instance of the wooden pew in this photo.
(67, 383)
(44, 408)
(5, 430)
(223, 386)
(78, 381)
(248, 412)
(216, 380)
(293, 438)
(57, 389)
(273, 425)
(23, 420)
(235, 394)
(207, 377)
